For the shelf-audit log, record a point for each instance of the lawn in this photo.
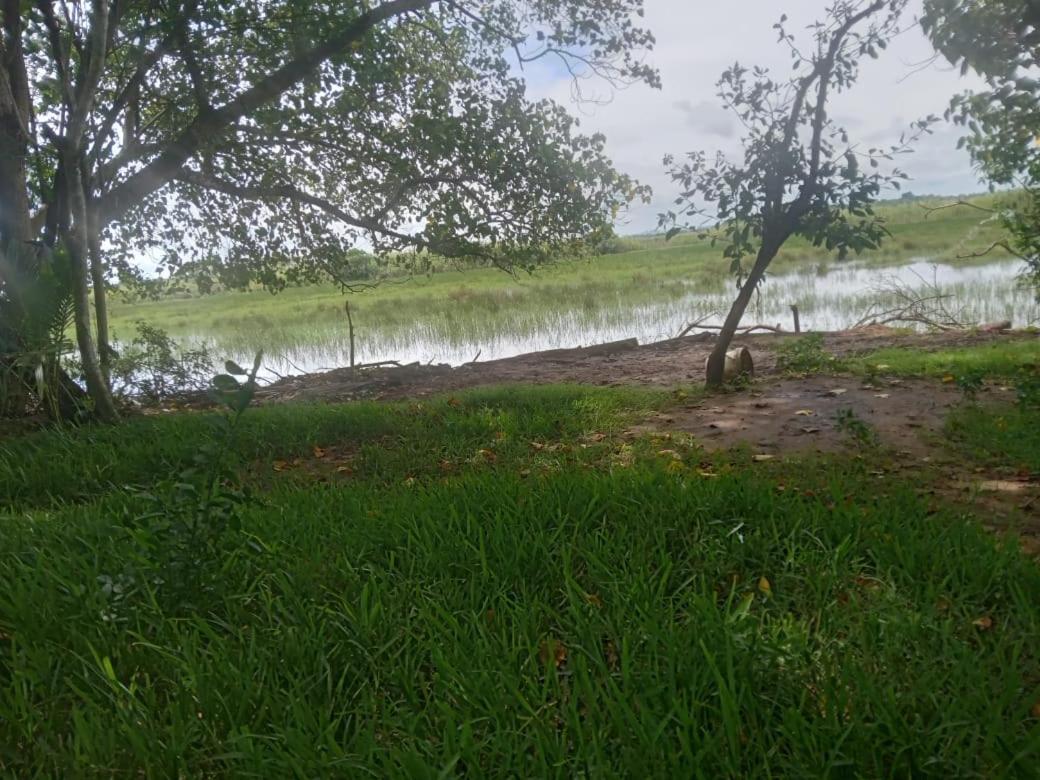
(501, 583)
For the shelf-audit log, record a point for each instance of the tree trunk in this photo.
(76, 241)
(97, 279)
(717, 359)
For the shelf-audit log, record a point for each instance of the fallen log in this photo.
(596, 349)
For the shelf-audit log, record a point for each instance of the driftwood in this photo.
(750, 328)
(595, 349)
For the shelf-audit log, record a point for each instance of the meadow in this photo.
(501, 583)
(648, 288)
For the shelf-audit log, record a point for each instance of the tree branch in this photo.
(205, 127)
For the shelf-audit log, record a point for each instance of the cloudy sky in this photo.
(698, 39)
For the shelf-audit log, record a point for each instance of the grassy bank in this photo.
(457, 308)
(499, 584)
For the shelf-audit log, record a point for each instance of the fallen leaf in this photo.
(1035, 710)
(836, 392)
(344, 470)
(598, 436)
(319, 452)
(488, 455)
(454, 402)
(669, 453)
(280, 465)
(805, 413)
(810, 430)
(881, 395)
(762, 456)
(537, 445)
(948, 379)
(709, 474)
(984, 623)
(552, 650)
(764, 586)
(594, 600)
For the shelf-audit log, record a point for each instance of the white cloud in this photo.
(698, 39)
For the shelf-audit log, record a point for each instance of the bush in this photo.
(155, 368)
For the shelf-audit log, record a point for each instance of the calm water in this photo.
(827, 300)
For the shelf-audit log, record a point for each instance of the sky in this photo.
(698, 39)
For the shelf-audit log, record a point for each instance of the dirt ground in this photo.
(671, 363)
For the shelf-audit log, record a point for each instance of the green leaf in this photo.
(672, 233)
(234, 368)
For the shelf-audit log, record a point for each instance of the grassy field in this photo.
(458, 308)
(500, 584)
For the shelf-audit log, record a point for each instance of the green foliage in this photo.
(185, 530)
(800, 174)
(33, 329)
(805, 355)
(970, 383)
(154, 367)
(998, 39)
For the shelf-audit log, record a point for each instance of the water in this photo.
(828, 299)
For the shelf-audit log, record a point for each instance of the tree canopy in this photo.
(278, 134)
(1000, 40)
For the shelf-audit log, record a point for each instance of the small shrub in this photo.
(191, 521)
(154, 367)
(970, 383)
(805, 355)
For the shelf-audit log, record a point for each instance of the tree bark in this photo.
(15, 221)
(714, 374)
(97, 280)
(76, 242)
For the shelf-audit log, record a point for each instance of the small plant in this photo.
(191, 520)
(805, 355)
(970, 383)
(856, 427)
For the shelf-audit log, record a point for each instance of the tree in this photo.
(999, 40)
(277, 135)
(800, 174)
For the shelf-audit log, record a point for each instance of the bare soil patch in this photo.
(670, 363)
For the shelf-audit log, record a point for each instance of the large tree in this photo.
(275, 135)
(800, 174)
(999, 40)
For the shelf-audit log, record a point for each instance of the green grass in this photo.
(997, 359)
(1001, 434)
(552, 602)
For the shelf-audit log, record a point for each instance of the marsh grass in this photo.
(650, 291)
(556, 601)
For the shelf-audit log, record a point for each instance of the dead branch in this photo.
(929, 210)
(899, 301)
(695, 323)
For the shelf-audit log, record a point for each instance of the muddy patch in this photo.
(820, 413)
